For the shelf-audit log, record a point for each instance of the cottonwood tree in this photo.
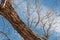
(47, 26)
(46, 22)
(8, 12)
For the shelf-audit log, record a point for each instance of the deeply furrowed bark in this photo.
(9, 13)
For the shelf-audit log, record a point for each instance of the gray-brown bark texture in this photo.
(9, 13)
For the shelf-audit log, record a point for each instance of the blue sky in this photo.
(52, 4)
(20, 6)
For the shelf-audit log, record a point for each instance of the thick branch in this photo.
(9, 13)
(18, 25)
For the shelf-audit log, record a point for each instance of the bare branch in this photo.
(5, 34)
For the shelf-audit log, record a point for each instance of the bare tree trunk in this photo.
(9, 13)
